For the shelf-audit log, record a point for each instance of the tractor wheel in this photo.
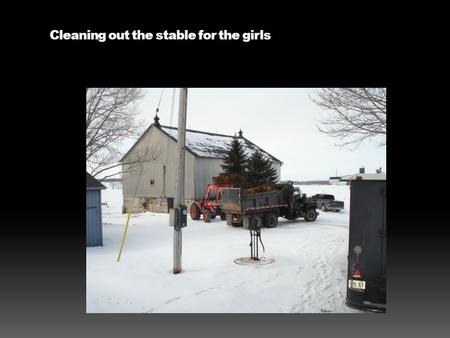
(271, 220)
(195, 212)
(223, 217)
(206, 216)
(311, 215)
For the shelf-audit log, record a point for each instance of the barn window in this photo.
(152, 182)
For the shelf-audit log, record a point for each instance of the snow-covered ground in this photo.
(309, 273)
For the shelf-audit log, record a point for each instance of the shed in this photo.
(94, 236)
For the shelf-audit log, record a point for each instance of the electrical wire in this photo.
(159, 103)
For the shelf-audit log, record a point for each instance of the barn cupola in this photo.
(240, 133)
(156, 119)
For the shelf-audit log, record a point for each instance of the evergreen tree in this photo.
(235, 160)
(260, 170)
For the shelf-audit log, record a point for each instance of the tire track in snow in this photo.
(242, 284)
(172, 300)
(206, 290)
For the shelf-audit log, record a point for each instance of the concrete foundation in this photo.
(153, 204)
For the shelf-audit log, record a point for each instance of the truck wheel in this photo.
(213, 216)
(310, 215)
(223, 217)
(207, 216)
(324, 208)
(271, 220)
(195, 212)
(256, 222)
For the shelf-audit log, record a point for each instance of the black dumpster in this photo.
(366, 273)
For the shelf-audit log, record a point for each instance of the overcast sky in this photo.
(282, 121)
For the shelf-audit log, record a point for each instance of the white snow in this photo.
(205, 144)
(309, 273)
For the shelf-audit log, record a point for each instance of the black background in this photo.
(43, 169)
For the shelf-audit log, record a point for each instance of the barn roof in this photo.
(92, 183)
(208, 145)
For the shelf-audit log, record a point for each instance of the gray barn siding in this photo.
(165, 153)
(94, 235)
(205, 170)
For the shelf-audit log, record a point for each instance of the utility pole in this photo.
(179, 201)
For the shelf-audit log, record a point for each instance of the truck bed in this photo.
(236, 200)
(335, 205)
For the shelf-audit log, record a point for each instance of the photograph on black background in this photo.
(235, 200)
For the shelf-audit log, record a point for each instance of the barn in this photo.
(94, 236)
(149, 167)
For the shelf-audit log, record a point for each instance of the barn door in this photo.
(169, 203)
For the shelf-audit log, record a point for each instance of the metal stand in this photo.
(255, 237)
(254, 260)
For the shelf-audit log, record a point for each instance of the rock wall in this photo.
(143, 204)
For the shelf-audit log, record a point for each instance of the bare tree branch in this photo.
(354, 114)
(110, 119)
(103, 169)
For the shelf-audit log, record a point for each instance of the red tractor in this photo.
(209, 206)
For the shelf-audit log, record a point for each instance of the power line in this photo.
(160, 97)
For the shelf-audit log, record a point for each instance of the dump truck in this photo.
(256, 208)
